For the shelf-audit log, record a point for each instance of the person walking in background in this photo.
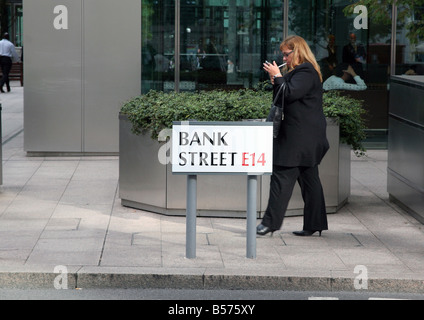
(301, 143)
(8, 55)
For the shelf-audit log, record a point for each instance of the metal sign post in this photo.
(191, 216)
(252, 183)
(221, 148)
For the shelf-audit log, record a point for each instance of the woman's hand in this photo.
(273, 70)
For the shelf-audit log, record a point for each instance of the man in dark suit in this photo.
(354, 54)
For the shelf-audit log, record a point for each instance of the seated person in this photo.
(343, 74)
(416, 69)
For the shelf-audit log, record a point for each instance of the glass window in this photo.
(12, 22)
(18, 25)
(223, 43)
(371, 61)
(158, 24)
(340, 38)
(410, 39)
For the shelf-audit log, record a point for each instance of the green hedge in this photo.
(157, 110)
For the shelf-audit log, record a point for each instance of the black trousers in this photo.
(283, 180)
(6, 66)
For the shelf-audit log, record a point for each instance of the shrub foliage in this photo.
(157, 110)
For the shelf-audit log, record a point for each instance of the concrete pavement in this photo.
(62, 223)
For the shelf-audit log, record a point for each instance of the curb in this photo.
(46, 280)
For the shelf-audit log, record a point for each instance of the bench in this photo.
(16, 73)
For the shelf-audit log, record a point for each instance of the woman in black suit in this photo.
(301, 143)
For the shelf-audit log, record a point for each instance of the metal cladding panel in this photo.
(52, 68)
(405, 181)
(82, 61)
(406, 98)
(406, 153)
(142, 178)
(112, 68)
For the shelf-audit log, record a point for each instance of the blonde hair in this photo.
(301, 52)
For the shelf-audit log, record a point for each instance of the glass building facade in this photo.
(207, 44)
(11, 20)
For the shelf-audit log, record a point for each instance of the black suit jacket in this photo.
(302, 140)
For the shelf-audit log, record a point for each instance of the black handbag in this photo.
(276, 114)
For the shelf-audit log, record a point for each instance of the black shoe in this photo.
(262, 230)
(2, 91)
(306, 233)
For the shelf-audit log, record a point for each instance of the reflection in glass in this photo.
(223, 43)
(410, 39)
(328, 27)
(158, 24)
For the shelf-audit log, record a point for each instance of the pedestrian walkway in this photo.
(62, 216)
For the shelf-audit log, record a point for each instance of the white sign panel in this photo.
(222, 148)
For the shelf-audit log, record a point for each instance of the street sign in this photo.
(222, 148)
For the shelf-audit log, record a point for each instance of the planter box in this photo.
(146, 184)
